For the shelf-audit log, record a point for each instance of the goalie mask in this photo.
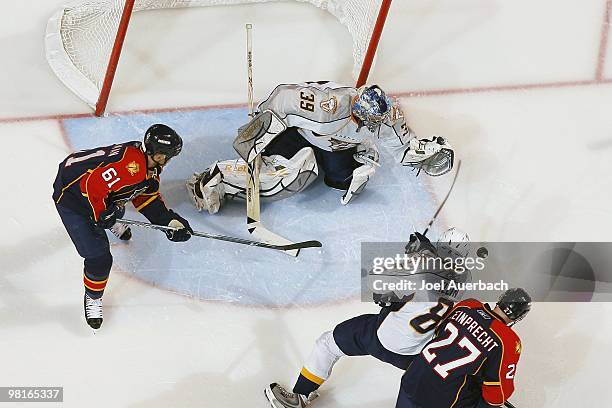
(371, 107)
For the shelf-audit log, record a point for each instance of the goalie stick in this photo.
(254, 225)
(288, 247)
(435, 216)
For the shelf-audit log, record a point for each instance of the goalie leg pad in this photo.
(279, 178)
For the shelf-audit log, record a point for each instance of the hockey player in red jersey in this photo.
(472, 360)
(90, 192)
(395, 335)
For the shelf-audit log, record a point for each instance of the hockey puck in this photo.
(482, 252)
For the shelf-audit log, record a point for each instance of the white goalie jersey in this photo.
(322, 113)
(330, 117)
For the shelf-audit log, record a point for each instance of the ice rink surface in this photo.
(521, 89)
(214, 270)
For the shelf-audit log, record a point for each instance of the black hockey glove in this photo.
(390, 300)
(109, 216)
(419, 242)
(183, 233)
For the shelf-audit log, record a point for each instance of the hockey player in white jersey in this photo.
(316, 127)
(395, 335)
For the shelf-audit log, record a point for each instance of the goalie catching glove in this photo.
(435, 157)
(420, 244)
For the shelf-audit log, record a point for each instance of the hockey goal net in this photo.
(84, 39)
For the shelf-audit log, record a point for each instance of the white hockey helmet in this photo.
(453, 242)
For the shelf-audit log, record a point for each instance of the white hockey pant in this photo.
(325, 354)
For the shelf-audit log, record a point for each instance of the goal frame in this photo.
(124, 23)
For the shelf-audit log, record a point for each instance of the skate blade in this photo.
(270, 397)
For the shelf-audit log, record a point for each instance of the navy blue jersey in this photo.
(473, 356)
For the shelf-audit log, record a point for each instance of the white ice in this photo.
(516, 86)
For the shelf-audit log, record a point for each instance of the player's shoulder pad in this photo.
(118, 151)
(133, 159)
(512, 342)
(317, 82)
(326, 86)
(278, 92)
(134, 151)
(134, 146)
(470, 303)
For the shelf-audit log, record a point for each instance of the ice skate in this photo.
(93, 311)
(281, 398)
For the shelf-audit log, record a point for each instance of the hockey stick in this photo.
(254, 225)
(433, 219)
(507, 404)
(289, 247)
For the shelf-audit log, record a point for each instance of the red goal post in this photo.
(85, 38)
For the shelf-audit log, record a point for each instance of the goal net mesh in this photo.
(80, 36)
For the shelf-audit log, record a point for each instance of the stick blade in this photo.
(263, 234)
(304, 244)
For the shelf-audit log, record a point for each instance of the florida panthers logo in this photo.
(133, 168)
